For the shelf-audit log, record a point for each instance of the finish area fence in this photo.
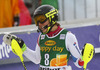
(86, 31)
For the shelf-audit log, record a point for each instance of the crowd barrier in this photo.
(85, 33)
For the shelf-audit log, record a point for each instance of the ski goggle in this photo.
(40, 19)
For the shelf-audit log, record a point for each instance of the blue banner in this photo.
(88, 34)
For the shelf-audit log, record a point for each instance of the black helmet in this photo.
(49, 11)
(46, 12)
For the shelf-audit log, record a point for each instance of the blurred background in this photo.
(81, 17)
(21, 11)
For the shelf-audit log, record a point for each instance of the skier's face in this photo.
(44, 26)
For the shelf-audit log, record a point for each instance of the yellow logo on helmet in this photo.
(51, 13)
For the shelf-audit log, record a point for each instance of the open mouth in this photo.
(42, 28)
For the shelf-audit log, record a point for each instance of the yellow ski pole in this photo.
(17, 50)
(87, 54)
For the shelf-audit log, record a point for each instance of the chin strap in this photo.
(39, 30)
(45, 27)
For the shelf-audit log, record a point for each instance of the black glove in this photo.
(21, 43)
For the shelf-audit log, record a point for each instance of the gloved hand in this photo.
(21, 43)
(7, 38)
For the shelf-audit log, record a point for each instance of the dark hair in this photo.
(57, 24)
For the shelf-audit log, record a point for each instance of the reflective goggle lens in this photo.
(40, 18)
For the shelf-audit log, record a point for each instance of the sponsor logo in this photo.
(62, 36)
(76, 47)
(50, 43)
(75, 44)
(55, 48)
(55, 68)
(42, 37)
(4, 50)
(49, 68)
(51, 13)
